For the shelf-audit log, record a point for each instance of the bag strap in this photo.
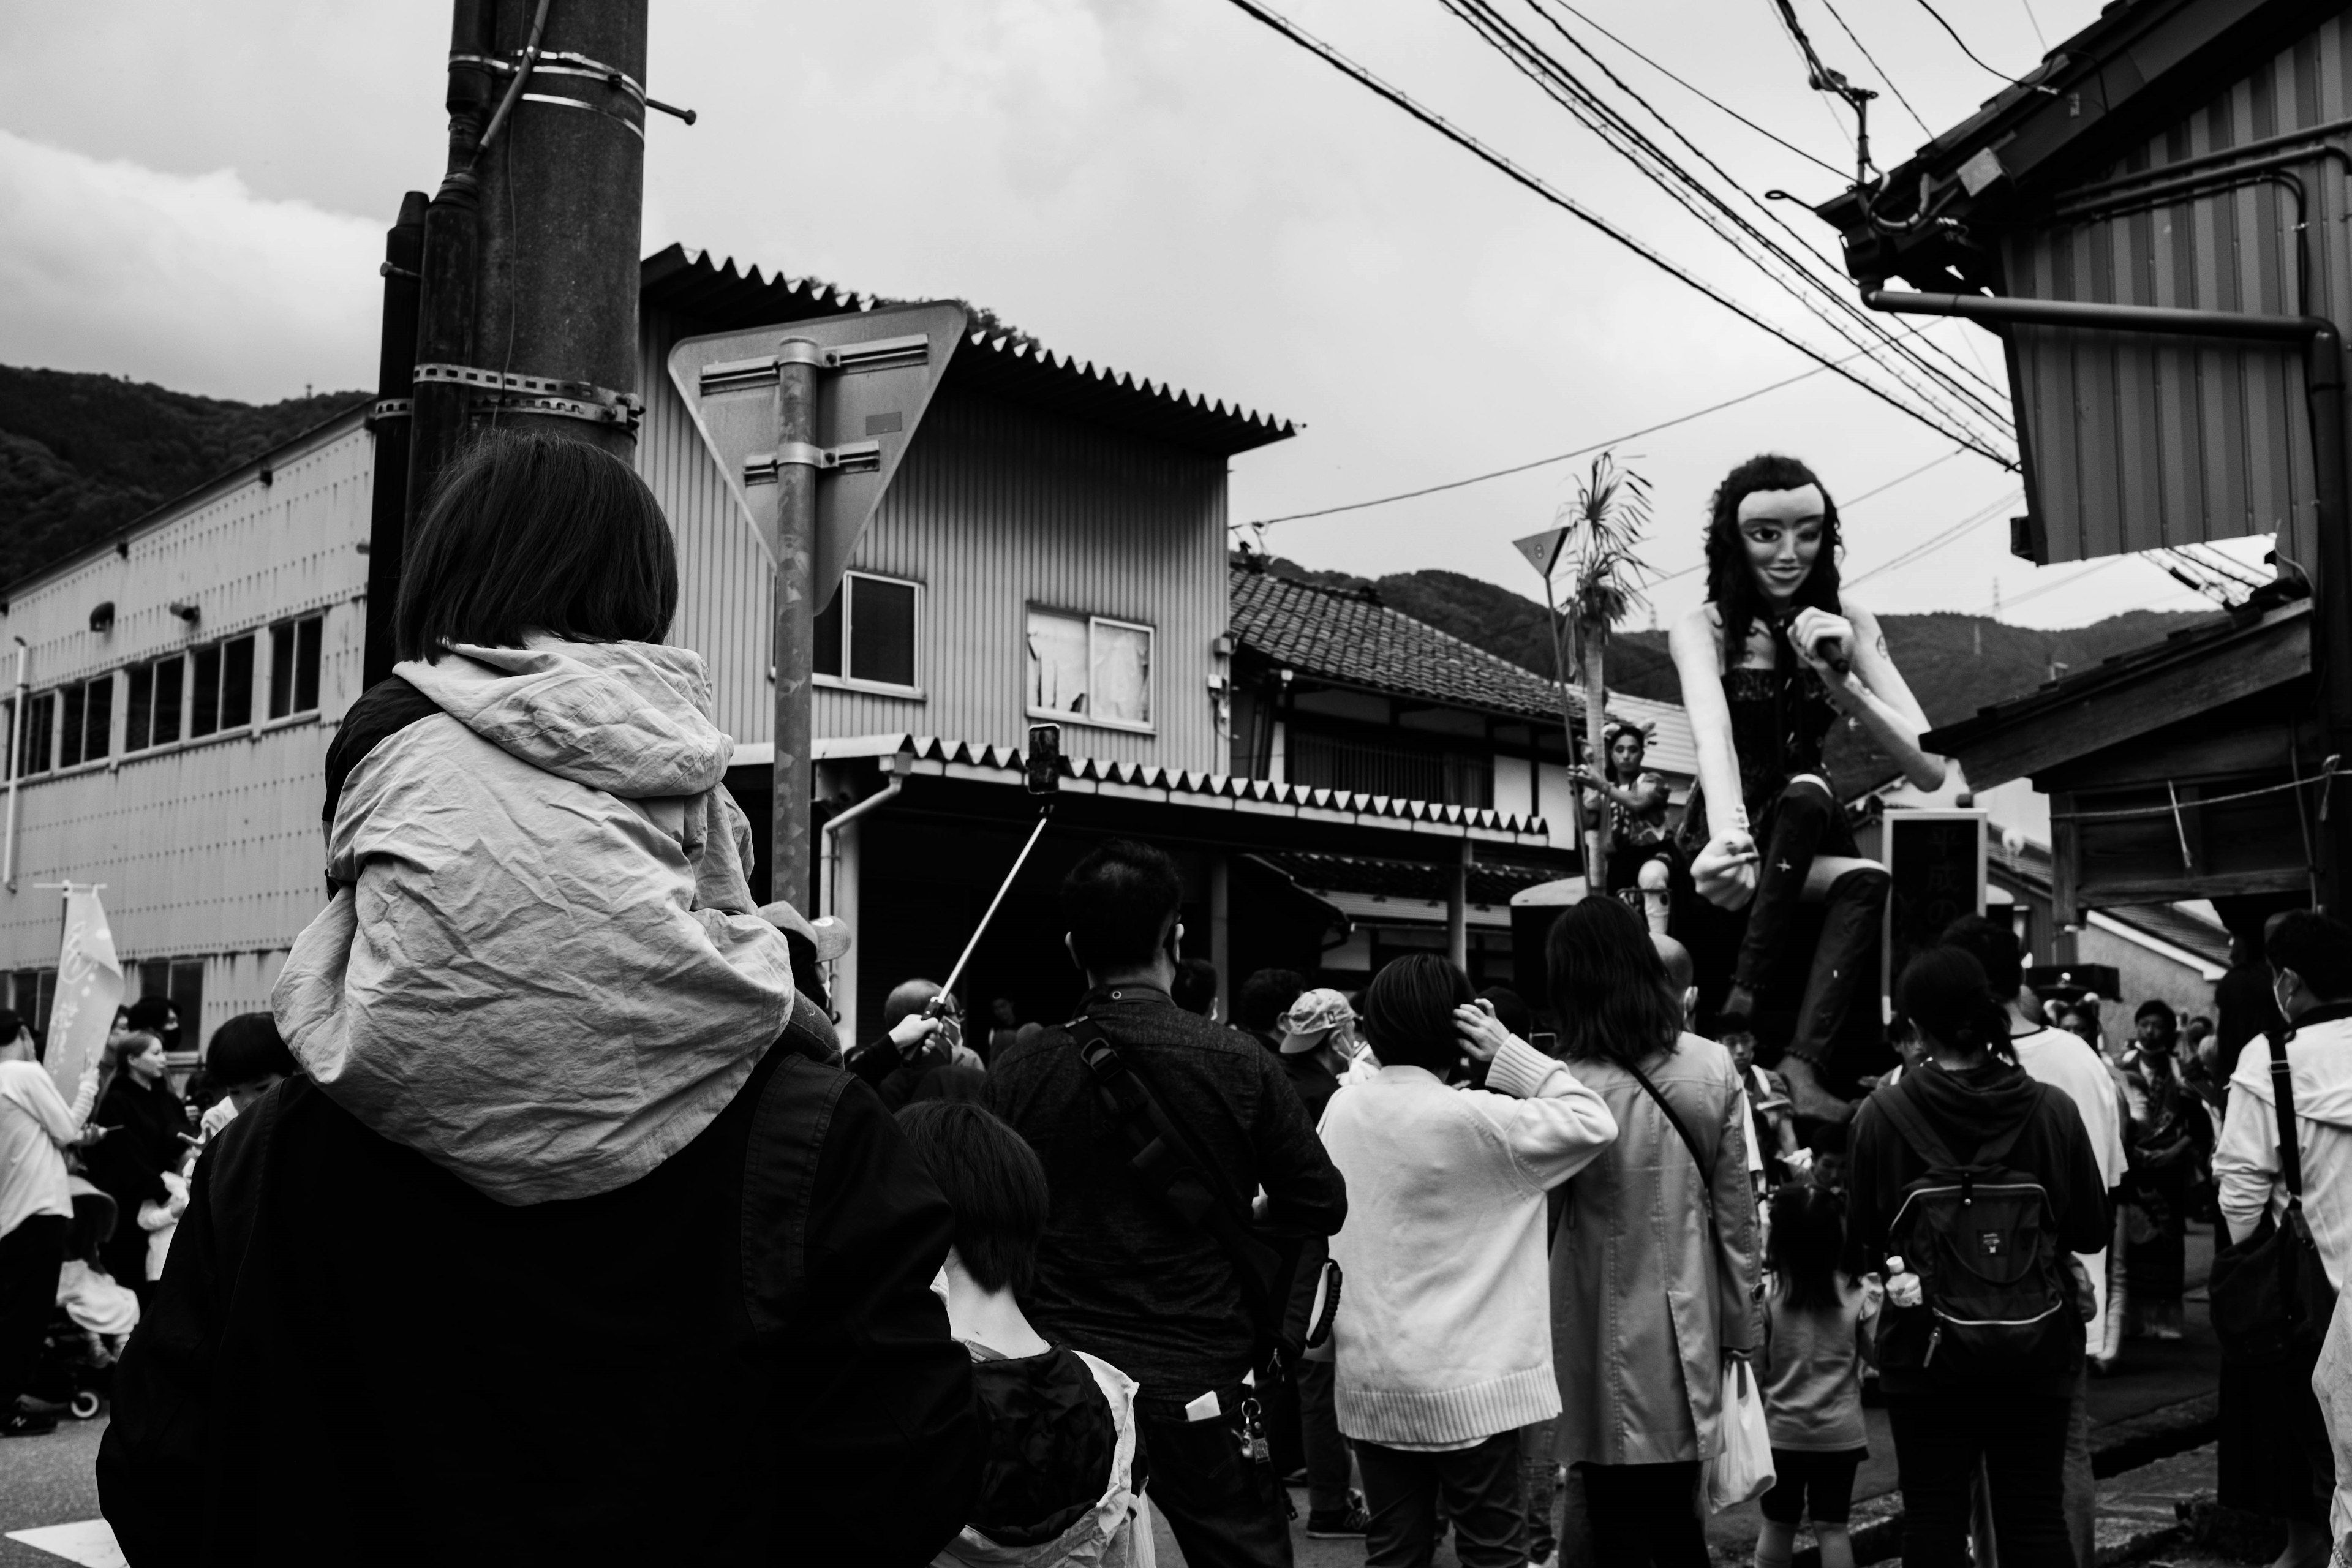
(2290, 1147)
(1706, 1170)
(1166, 1165)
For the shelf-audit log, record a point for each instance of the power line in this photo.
(2029, 16)
(1928, 7)
(1843, 506)
(1871, 324)
(1930, 546)
(2032, 594)
(1702, 92)
(1469, 143)
(1881, 69)
(1660, 167)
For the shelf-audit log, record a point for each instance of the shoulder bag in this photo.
(2270, 1295)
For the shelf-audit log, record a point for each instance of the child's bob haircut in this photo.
(993, 1180)
(532, 532)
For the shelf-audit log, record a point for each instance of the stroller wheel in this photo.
(85, 1405)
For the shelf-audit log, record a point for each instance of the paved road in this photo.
(46, 1481)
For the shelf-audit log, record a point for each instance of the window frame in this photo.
(33, 721)
(290, 632)
(847, 682)
(1095, 720)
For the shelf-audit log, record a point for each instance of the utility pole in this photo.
(520, 283)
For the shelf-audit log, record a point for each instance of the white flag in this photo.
(89, 988)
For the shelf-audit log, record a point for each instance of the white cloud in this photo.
(190, 280)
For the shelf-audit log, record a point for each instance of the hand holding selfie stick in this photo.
(1042, 766)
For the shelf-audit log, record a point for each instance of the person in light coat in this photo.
(1443, 1351)
(1654, 1263)
(2275, 1456)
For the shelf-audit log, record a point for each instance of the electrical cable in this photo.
(1928, 7)
(1930, 546)
(2038, 36)
(2032, 594)
(1843, 506)
(1536, 184)
(1832, 287)
(1701, 93)
(1881, 69)
(1614, 128)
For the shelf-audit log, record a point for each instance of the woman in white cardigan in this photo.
(1443, 1339)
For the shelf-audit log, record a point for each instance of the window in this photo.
(181, 980)
(152, 709)
(40, 715)
(89, 707)
(294, 666)
(30, 994)
(1084, 667)
(866, 635)
(220, 695)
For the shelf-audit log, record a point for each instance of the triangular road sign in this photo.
(877, 370)
(1542, 549)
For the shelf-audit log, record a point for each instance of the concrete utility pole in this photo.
(525, 296)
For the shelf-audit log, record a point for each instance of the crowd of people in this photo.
(560, 1138)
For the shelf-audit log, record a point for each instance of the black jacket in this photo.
(1967, 1110)
(356, 1357)
(1118, 1276)
(129, 1162)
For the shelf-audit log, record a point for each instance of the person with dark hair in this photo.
(246, 1058)
(147, 1122)
(2243, 998)
(2171, 1139)
(1819, 1325)
(1442, 1348)
(1121, 1274)
(155, 1016)
(1262, 1001)
(1641, 856)
(1769, 663)
(2276, 1458)
(1196, 987)
(36, 1127)
(552, 1056)
(2070, 1066)
(1058, 1442)
(1654, 1267)
(1956, 1405)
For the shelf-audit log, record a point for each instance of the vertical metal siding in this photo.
(210, 848)
(998, 506)
(2140, 441)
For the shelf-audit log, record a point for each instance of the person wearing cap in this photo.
(1318, 1041)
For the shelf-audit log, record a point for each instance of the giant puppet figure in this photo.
(1768, 665)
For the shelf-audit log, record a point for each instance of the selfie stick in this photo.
(1045, 815)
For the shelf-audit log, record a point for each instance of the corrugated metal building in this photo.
(1053, 547)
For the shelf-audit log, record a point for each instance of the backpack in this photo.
(1998, 1297)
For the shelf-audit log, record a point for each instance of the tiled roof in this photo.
(1001, 765)
(1346, 637)
(721, 297)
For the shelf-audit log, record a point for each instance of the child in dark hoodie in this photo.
(1970, 1093)
(1057, 1443)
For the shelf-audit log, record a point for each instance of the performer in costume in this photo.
(1641, 851)
(1767, 664)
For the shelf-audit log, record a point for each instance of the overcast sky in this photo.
(195, 195)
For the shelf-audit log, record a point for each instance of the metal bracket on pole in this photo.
(538, 395)
(881, 353)
(763, 468)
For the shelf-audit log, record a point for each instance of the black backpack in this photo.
(1998, 1296)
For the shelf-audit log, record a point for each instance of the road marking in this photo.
(90, 1543)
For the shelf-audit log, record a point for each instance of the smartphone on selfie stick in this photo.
(1041, 767)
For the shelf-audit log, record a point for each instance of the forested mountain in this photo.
(82, 455)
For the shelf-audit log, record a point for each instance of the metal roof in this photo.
(721, 297)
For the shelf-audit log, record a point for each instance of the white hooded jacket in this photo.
(2246, 1161)
(542, 969)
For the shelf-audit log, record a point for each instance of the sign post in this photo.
(808, 421)
(1542, 550)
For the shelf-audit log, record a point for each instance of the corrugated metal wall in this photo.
(209, 849)
(997, 506)
(2136, 442)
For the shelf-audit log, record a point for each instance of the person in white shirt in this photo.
(2068, 1064)
(37, 1126)
(1443, 1339)
(2275, 1456)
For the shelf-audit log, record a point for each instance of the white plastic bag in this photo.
(1744, 1469)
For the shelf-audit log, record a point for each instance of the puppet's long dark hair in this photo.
(1730, 582)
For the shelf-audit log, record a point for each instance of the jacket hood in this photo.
(2319, 1059)
(1973, 1106)
(630, 718)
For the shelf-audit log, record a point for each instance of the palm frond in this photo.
(1606, 523)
